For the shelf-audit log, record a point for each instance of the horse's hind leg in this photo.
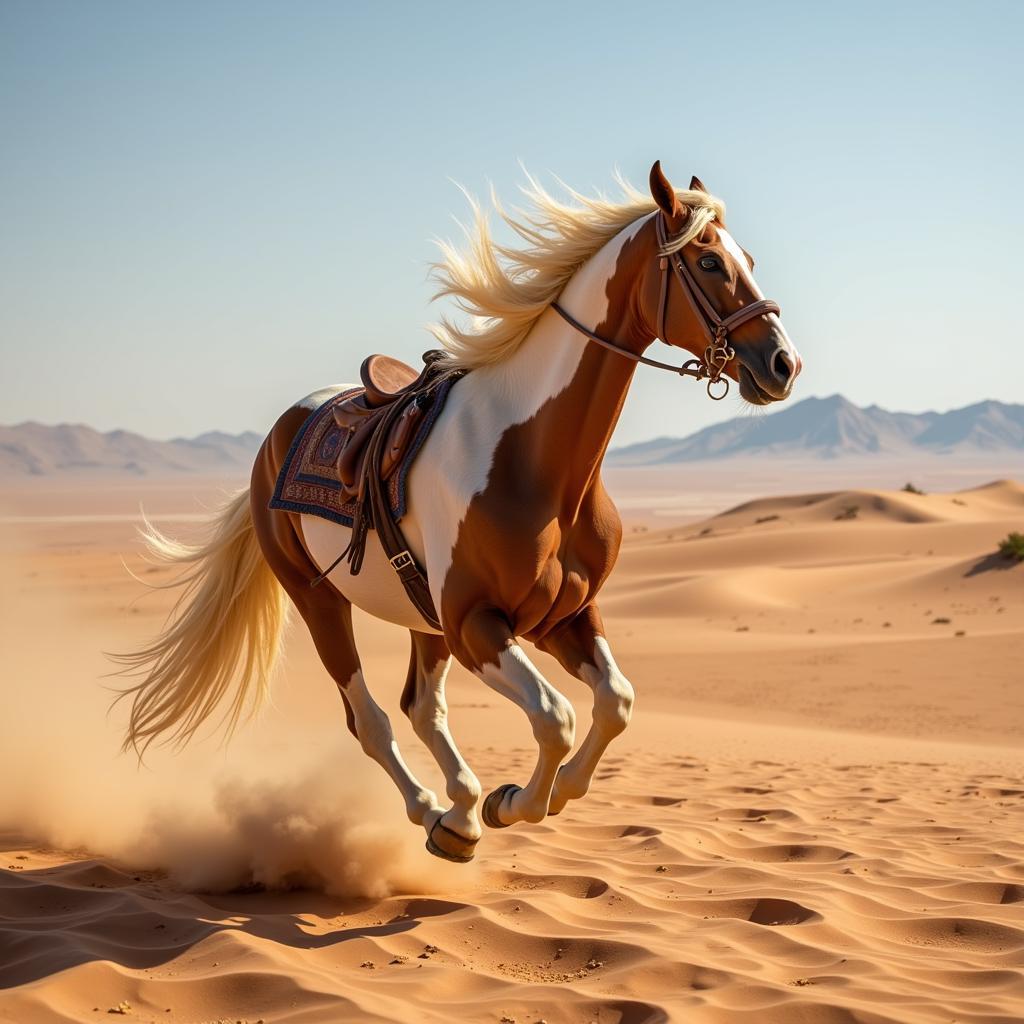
(335, 643)
(423, 700)
(581, 648)
(329, 617)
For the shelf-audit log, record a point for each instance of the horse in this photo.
(507, 518)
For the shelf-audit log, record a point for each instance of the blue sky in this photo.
(211, 209)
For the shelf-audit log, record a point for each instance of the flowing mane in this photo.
(504, 290)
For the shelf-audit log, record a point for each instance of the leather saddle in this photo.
(381, 422)
(386, 381)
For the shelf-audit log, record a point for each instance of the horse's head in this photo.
(703, 298)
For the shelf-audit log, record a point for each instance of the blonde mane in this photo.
(504, 290)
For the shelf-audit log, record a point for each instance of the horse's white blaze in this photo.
(456, 460)
(732, 247)
(743, 268)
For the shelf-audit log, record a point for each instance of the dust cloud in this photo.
(277, 810)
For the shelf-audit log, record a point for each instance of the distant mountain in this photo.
(830, 428)
(36, 450)
(825, 428)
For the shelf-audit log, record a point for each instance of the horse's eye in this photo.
(707, 263)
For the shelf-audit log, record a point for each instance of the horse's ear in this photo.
(668, 202)
(696, 185)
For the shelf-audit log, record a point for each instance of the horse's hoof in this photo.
(447, 844)
(490, 809)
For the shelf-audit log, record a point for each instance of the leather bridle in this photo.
(717, 352)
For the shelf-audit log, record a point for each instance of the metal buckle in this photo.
(693, 368)
(402, 561)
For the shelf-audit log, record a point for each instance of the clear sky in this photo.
(209, 209)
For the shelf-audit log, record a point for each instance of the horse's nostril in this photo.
(782, 365)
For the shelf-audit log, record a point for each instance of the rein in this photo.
(718, 351)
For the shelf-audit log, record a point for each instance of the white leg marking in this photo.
(429, 716)
(377, 739)
(613, 707)
(554, 726)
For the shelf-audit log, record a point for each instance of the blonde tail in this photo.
(222, 636)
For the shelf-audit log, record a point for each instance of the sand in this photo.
(817, 814)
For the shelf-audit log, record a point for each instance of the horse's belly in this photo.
(376, 589)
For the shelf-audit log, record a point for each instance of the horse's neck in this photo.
(560, 394)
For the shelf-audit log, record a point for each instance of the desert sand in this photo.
(816, 816)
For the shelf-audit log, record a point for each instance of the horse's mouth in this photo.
(751, 391)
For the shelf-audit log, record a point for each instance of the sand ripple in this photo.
(735, 892)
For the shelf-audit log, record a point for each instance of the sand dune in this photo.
(726, 891)
(978, 503)
(815, 817)
(804, 553)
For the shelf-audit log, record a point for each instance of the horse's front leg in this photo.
(488, 647)
(582, 649)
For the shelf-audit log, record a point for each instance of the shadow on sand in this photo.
(59, 917)
(992, 562)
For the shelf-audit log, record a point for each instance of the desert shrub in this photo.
(849, 512)
(911, 489)
(1012, 546)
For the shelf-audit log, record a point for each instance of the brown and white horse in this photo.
(507, 513)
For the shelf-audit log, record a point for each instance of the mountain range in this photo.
(816, 428)
(36, 450)
(832, 428)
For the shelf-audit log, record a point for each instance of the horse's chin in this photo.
(752, 392)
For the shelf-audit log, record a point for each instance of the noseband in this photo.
(716, 328)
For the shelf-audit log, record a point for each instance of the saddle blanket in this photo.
(309, 481)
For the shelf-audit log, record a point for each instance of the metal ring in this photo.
(718, 380)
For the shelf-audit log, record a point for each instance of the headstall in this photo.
(717, 352)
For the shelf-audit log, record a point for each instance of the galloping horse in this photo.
(507, 514)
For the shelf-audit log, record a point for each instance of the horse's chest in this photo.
(568, 567)
(563, 585)
(504, 513)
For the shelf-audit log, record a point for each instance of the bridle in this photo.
(716, 328)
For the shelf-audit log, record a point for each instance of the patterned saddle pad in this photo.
(309, 481)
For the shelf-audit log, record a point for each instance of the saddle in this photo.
(381, 422)
(386, 381)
